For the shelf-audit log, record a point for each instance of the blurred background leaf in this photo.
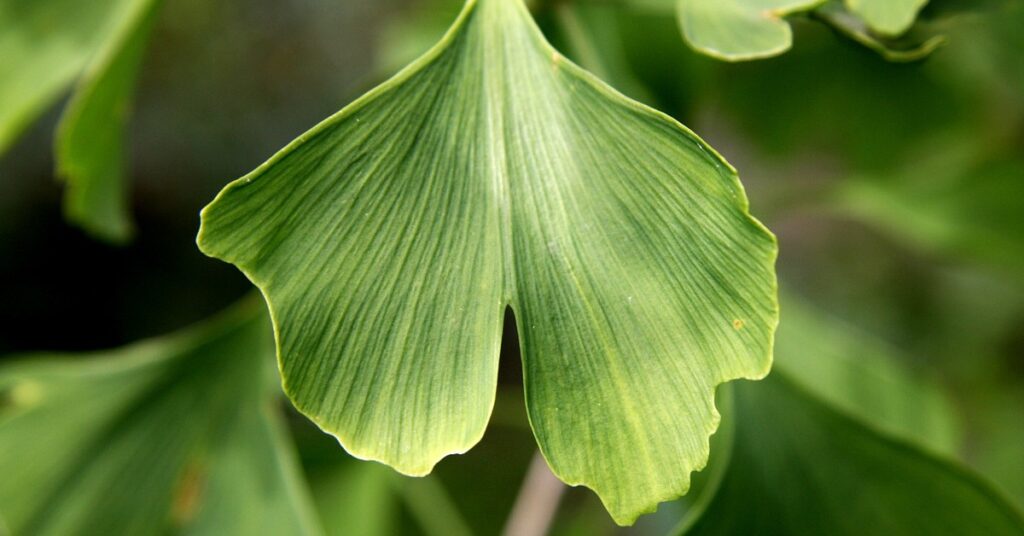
(887, 17)
(800, 467)
(44, 46)
(905, 49)
(90, 141)
(864, 376)
(951, 198)
(736, 30)
(176, 434)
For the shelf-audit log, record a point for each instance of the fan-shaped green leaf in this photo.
(177, 434)
(492, 172)
(739, 29)
(799, 467)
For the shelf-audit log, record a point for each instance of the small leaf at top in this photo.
(737, 30)
(492, 172)
(907, 48)
(887, 17)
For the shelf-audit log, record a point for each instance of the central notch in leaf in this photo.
(492, 172)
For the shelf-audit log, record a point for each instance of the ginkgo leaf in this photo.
(177, 434)
(736, 30)
(799, 467)
(902, 50)
(90, 138)
(389, 240)
(887, 17)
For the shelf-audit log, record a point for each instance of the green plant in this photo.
(494, 182)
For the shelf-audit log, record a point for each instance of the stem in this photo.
(537, 501)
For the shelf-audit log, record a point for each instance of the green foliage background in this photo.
(896, 191)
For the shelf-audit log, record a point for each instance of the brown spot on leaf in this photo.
(738, 324)
(187, 494)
